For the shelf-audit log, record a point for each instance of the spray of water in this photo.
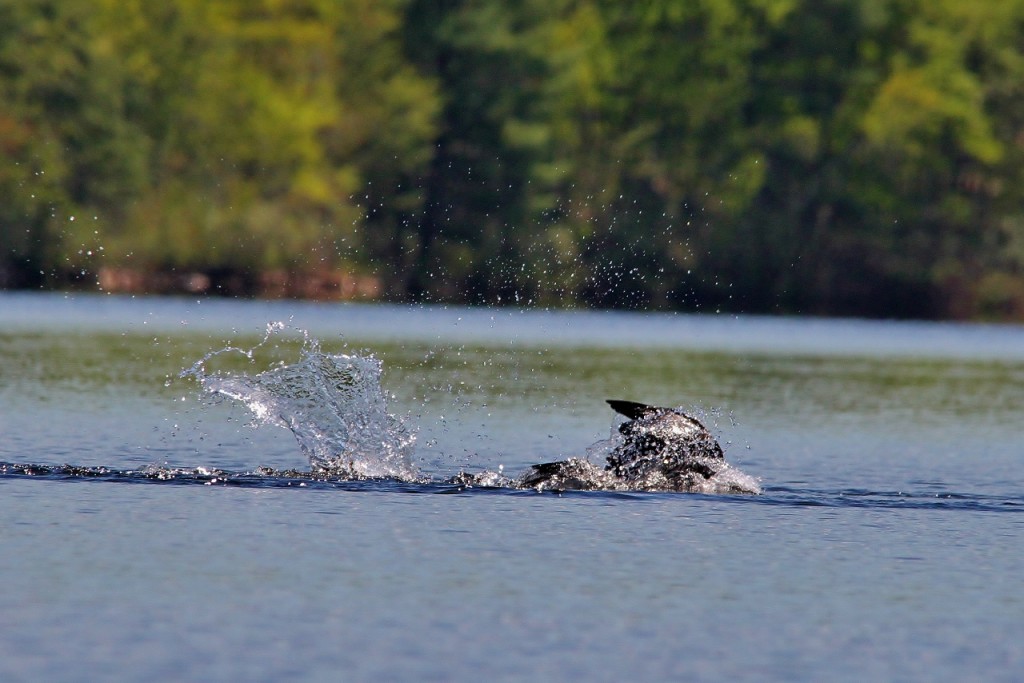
(332, 403)
(338, 412)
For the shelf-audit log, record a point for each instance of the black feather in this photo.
(632, 410)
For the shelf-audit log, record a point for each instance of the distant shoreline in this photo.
(346, 286)
(322, 285)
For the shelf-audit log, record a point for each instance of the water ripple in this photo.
(902, 499)
(267, 478)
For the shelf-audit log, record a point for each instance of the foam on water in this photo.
(332, 403)
(590, 473)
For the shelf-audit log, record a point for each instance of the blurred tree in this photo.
(943, 138)
(652, 150)
(271, 120)
(880, 147)
(68, 146)
(811, 80)
(464, 242)
(389, 128)
(218, 136)
(855, 157)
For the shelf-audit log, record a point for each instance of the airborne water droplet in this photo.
(333, 404)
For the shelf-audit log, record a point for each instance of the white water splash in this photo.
(332, 403)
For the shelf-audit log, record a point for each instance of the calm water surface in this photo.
(886, 544)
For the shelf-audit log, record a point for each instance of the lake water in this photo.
(886, 544)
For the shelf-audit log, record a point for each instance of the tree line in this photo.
(834, 157)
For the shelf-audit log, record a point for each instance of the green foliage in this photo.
(236, 134)
(857, 157)
(67, 146)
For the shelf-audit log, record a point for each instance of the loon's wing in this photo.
(544, 473)
(632, 410)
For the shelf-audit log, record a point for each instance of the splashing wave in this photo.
(332, 403)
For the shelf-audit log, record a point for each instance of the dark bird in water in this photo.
(662, 449)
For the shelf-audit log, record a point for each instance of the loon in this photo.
(662, 449)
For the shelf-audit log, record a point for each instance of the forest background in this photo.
(829, 157)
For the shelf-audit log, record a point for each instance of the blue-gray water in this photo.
(885, 546)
